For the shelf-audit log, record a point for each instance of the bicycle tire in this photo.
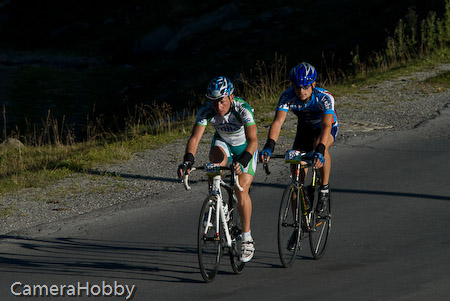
(288, 224)
(235, 227)
(318, 239)
(209, 246)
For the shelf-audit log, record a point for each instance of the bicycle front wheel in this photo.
(321, 227)
(289, 230)
(208, 244)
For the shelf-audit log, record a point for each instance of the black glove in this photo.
(268, 149)
(188, 162)
(244, 158)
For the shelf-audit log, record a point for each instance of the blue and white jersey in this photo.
(310, 113)
(231, 127)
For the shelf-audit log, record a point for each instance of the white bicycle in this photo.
(219, 226)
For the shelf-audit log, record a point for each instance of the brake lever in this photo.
(266, 164)
(185, 179)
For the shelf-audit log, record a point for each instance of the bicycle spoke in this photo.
(209, 246)
(288, 226)
(318, 239)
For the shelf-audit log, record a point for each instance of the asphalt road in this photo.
(390, 237)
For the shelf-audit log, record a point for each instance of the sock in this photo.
(247, 236)
(325, 188)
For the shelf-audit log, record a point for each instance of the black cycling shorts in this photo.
(306, 136)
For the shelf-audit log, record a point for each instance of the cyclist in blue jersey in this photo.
(317, 126)
(235, 134)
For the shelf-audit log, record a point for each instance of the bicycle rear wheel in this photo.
(208, 244)
(318, 238)
(289, 230)
(235, 230)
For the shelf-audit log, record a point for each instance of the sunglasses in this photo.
(304, 87)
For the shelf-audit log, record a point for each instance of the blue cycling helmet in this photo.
(219, 87)
(303, 74)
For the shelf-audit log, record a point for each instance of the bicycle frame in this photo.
(216, 191)
(217, 182)
(298, 179)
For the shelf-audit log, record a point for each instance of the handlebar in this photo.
(185, 179)
(308, 158)
(266, 162)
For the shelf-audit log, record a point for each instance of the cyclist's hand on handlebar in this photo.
(184, 168)
(265, 155)
(320, 160)
(238, 168)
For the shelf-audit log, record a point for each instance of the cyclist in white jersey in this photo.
(317, 125)
(235, 135)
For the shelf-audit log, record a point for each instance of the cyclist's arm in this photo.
(252, 140)
(191, 149)
(325, 138)
(252, 145)
(275, 128)
(274, 133)
(194, 140)
(325, 134)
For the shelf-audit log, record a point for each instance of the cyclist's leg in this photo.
(245, 204)
(245, 212)
(245, 180)
(219, 152)
(244, 201)
(326, 169)
(304, 142)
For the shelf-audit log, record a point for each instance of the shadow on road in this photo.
(79, 257)
(101, 258)
(391, 193)
(133, 176)
(360, 191)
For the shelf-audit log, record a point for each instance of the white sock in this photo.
(247, 236)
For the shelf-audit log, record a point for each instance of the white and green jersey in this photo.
(231, 127)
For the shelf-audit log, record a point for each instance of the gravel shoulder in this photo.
(399, 104)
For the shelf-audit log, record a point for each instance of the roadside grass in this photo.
(6, 210)
(27, 166)
(352, 85)
(440, 82)
(49, 151)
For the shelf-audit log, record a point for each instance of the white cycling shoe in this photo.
(247, 250)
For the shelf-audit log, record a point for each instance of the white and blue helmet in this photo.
(219, 87)
(303, 74)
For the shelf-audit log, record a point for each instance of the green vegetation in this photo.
(441, 82)
(50, 151)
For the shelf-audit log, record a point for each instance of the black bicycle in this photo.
(298, 216)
